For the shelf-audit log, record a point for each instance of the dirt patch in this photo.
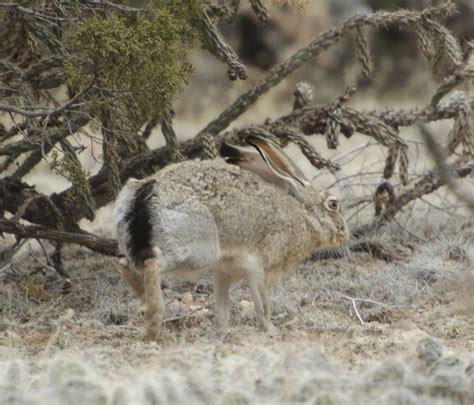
(84, 344)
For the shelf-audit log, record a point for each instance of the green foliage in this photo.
(70, 168)
(139, 60)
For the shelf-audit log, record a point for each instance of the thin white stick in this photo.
(354, 305)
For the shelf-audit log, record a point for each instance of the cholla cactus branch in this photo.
(303, 95)
(291, 134)
(429, 183)
(425, 42)
(281, 135)
(217, 46)
(392, 156)
(403, 166)
(317, 115)
(384, 196)
(322, 42)
(363, 53)
(170, 138)
(372, 126)
(209, 148)
(349, 91)
(149, 127)
(457, 133)
(227, 11)
(446, 173)
(447, 51)
(259, 131)
(260, 10)
(332, 133)
(451, 82)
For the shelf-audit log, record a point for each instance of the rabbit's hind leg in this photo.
(134, 280)
(153, 296)
(222, 283)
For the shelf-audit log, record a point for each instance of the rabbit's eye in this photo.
(332, 204)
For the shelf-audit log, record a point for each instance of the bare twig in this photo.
(446, 172)
(28, 11)
(96, 243)
(47, 112)
(7, 254)
(104, 5)
(354, 305)
(188, 314)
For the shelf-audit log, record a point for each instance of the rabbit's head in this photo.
(266, 159)
(325, 216)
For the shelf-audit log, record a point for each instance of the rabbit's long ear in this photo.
(237, 154)
(277, 159)
(270, 163)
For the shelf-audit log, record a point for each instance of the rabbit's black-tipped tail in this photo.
(139, 226)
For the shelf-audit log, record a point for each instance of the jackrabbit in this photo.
(254, 220)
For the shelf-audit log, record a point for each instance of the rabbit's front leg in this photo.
(221, 297)
(153, 296)
(255, 275)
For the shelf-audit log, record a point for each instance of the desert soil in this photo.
(80, 340)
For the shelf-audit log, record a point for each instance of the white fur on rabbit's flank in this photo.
(209, 215)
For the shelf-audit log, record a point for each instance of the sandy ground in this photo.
(81, 340)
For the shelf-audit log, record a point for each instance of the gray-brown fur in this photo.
(209, 215)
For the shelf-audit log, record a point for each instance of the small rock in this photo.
(187, 298)
(244, 304)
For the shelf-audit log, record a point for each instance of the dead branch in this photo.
(7, 254)
(47, 112)
(104, 5)
(35, 141)
(93, 242)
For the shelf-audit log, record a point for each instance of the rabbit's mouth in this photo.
(340, 235)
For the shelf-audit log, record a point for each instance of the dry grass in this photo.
(83, 344)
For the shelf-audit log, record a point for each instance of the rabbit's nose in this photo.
(343, 233)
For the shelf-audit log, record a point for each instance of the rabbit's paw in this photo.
(271, 330)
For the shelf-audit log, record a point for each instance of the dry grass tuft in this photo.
(414, 345)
